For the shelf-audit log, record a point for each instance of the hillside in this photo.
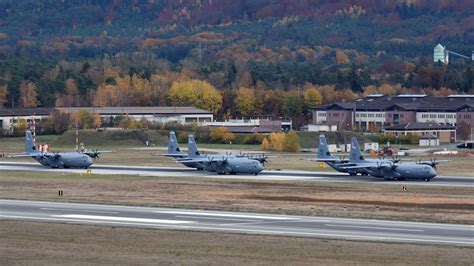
(273, 45)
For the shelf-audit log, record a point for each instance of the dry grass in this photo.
(49, 244)
(419, 203)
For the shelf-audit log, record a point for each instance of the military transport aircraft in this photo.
(333, 161)
(383, 168)
(222, 164)
(56, 159)
(391, 169)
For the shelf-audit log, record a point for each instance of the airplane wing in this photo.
(433, 163)
(19, 155)
(175, 155)
(332, 160)
(197, 160)
(95, 154)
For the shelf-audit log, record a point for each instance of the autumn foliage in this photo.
(279, 141)
(195, 93)
(221, 135)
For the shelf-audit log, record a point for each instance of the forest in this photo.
(236, 58)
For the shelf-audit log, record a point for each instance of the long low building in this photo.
(377, 112)
(444, 133)
(160, 115)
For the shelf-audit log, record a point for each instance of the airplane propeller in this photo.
(95, 154)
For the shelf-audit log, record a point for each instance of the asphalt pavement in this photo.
(266, 175)
(238, 222)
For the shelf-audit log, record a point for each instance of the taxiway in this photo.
(266, 175)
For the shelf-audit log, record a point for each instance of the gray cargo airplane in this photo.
(333, 161)
(56, 159)
(221, 164)
(389, 169)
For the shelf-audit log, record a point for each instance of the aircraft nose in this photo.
(433, 172)
(260, 167)
(89, 161)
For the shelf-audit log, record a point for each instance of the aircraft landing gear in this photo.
(427, 180)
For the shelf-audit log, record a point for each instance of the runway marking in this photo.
(125, 219)
(267, 231)
(75, 210)
(197, 213)
(221, 219)
(375, 227)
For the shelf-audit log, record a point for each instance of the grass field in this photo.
(51, 244)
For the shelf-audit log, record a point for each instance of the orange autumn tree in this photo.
(28, 95)
(3, 95)
(195, 93)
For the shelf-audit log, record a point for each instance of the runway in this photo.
(238, 222)
(266, 175)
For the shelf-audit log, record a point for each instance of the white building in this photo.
(445, 118)
(440, 54)
(429, 140)
(160, 115)
(9, 117)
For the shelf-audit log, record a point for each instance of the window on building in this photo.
(190, 119)
(205, 119)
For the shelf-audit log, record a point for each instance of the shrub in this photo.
(255, 138)
(221, 135)
(281, 142)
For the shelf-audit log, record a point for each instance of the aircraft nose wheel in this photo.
(427, 180)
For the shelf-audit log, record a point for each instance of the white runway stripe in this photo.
(197, 213)
(125, 219)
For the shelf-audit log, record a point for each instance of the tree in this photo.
(21, 126)
(265, 145)
(245, 101)
(221, 135)
(276, 141)
(104, 96)
(142, 93)
(87, 120)
(58, 122)
(195, 93)
(342, 58)
(3, 95)
(312, 97)
(71, 97)
(463, 130)
(293, 107)
(28, 95)
(291, 142)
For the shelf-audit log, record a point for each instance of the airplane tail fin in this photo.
(29, 144)
(192, 147)
(323, 150)
(173, 147)
(355, 155)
